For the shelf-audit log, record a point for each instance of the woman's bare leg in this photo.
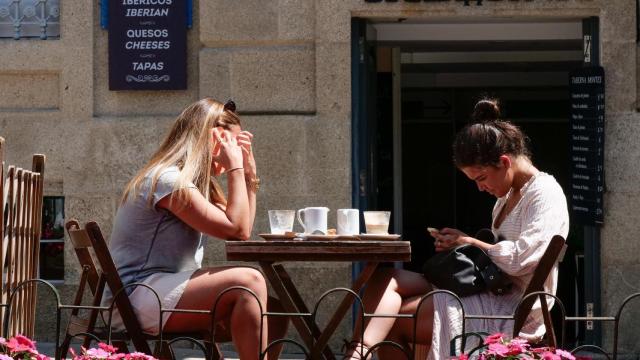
(278, 326)
(239, 306)
(403, 329)
(384, 295)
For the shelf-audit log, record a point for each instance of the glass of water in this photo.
(281, 221)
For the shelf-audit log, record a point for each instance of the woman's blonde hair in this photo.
(189, 146)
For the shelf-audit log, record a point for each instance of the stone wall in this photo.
(286, 63)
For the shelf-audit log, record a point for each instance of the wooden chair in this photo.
(20, 229)
(551, 256)
(98, 270)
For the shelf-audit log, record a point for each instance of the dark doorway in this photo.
(438, 195)
(436, 101)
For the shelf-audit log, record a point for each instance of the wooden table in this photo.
(268, 253)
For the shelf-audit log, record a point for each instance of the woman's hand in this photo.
(449, 238)
(227, 154)
(245, 140)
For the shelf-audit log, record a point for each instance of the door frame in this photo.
(362, 167)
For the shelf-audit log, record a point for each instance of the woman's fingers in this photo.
(227, 153)
(247, 134)
(244, 143)
(228, 137)
(445, 241)
(449, 231)
(217, 133)
(440, 246)
(245, 140)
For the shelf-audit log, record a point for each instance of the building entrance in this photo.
(422, 80)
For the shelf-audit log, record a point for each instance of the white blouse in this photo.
(523, 237)
(526, 231)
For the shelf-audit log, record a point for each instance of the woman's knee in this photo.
(253, 280)
(384, 276)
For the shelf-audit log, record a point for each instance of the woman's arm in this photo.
(235, 221)
(200, 214)
(245, 140)
(448, 238)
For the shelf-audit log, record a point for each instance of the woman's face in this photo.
(496, 180)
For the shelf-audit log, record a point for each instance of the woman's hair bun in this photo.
(486, 110)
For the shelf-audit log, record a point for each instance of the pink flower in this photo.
(139, 356)
(518, 346)
(108, 348)
(548, 355)
(5, 357)
(42, 357)
(498, 349)
(14, 346)
(495, 338)
(540, 350)
(25, 341)
(565, 354)
(97, 353)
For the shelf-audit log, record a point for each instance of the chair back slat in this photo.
(110, 273)
(91, 276)
(82, 245)
(543, 270)
(20, 229)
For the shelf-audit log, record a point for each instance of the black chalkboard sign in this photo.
(147, 45)
(586, 144)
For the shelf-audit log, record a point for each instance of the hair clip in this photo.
(230, 105)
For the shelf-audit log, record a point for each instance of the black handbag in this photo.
(466, 270)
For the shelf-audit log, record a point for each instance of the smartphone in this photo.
(433, 230)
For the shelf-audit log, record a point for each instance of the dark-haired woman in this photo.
(530, 209)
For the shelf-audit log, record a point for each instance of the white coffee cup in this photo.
(315, 219)
(348, 221)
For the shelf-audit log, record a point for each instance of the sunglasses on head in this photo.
(230, 106)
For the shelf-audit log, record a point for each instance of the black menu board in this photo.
(586, 144)
(147, 45)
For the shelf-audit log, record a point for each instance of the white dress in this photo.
(525, 233)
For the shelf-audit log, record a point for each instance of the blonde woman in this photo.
(168, 208)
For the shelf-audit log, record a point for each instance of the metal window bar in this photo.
(20, 19)
(13, 301)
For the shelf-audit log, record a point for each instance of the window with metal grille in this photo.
(21, 19)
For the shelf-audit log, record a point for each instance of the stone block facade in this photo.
(287, 65)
